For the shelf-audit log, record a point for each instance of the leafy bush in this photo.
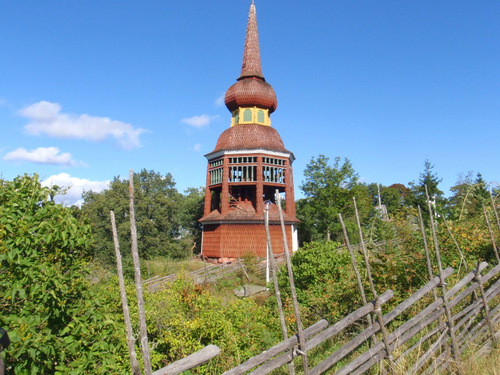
(185, 317)
(55, 322)
(324, 279)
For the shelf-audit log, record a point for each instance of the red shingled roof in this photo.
(250, 137)
(244, 211)
(251, 92)
(251, 88)
(251, 66)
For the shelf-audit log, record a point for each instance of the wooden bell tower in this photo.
(246, 167)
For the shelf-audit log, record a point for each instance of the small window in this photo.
(260, 116)
(237, 117)
(247, 115)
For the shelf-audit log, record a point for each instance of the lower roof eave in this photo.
(260, 222)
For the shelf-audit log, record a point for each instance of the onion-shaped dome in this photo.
(250, 92)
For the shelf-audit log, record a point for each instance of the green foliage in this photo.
(55, 322)
(473, 239)
(191, 211)
(418, 197)
(393, 197)
(166, 221)
(329, 191)
(185, 317)
(324, 279)
(468, 197)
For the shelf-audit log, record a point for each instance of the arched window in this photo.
(260, 116)
(247, 115)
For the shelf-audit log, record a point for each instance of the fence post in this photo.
(491, 234)
(138, 282)
(302, 343)
(377, 308)
(291, 367)
(494, 209)
(486, 308)
(451, 326)
(456, 245)
(356, 270)
(427, 253)
(134, 364)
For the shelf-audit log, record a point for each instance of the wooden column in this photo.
(208, 194)
(260, 187)
(289, 190)
(224, 205)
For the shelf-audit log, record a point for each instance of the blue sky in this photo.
(91, 89)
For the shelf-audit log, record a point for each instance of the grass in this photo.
(483, 365)
(166, 266)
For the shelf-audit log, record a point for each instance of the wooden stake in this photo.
(138, 281)
(427, 253)
(300, 333)
(377, 309)
(134, 364)
(486, 308)
(494, 209)
(291, 367)
(451, 326)
(457, 246)
(491, 234)
(356, 270)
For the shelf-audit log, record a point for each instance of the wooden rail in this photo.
(209, 273)
(427, 330)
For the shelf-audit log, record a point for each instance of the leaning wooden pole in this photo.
(494, 209)
(495, 249)
(427, 253)
(302, 342)
(486, 308)
(456, 245)
(355, 266)
(134, 364)
(291, 367)
(378, 309)
(451, 325)
(138, 281)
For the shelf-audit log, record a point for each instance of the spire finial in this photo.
(251, 66)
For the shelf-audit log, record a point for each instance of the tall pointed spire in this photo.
(251, 89)
(251, 66)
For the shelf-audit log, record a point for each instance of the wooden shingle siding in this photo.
(236, 240)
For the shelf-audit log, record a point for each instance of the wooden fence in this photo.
(210, 273)
(418, 333)
(427, 332)
(420, 344)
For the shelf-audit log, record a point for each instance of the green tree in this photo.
(55, 322)
(468, 197)
(191, 211)
(418, 196)
(158, 205)
(328, 190)
(394, 197)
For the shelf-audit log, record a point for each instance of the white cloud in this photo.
(41, 155)
(74, 187)
(197, 147)
(219, 101)
(47, 118)
(199, 121)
